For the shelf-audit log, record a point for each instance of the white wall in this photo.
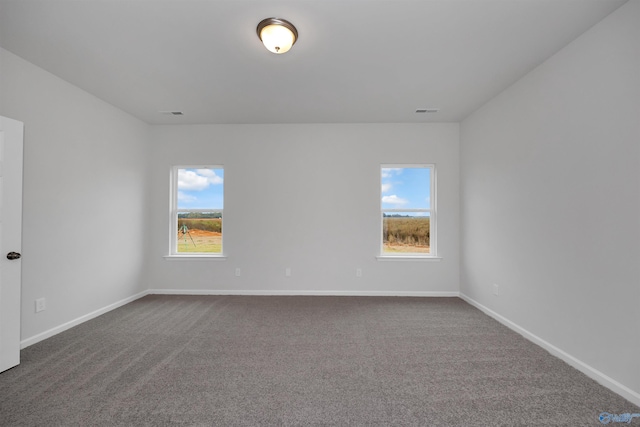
(305, 197)
(550, 189)
(84, 188)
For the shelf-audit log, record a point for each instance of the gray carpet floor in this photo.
(294, 361)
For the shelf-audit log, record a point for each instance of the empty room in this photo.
(305, 212)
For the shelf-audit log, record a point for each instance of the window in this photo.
(196, 210)
(408, 215)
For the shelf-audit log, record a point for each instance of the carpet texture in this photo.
(290, 361)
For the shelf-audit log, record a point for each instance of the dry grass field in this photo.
(199, 241)
(406, 235)
(203, 235)
(399, 248)
(401, 235)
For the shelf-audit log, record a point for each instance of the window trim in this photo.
(173, 218)
(433, 254)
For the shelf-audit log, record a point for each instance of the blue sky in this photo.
(200, 188)
(406, 188)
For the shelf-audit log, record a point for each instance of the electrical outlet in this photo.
(358, 272)
(287, 272)
(238, 271)
(41, 305)
(496, 289)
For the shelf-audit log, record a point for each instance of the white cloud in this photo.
(394, 200)
(389, 172)
(386, 187)
(197, 180)
(211, 175)
(186, 198)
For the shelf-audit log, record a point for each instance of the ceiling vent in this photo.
(172, 113)
(427, 110)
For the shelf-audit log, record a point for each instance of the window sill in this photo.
(195, 258)
(408, 258)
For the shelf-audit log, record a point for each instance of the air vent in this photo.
(427, 110)
(172, 113)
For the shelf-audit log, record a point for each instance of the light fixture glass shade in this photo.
(277, 35)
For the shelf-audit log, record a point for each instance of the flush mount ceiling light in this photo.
(277, 35)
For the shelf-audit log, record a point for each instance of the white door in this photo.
(11, 132)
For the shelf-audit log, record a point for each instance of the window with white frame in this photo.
(407, 210)
(197, 201)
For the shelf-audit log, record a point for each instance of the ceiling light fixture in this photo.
(277, 35)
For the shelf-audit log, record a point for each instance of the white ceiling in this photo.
(356, 61)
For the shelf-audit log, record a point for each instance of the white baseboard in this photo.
(610, 383)
(68, 325)
(258, 292)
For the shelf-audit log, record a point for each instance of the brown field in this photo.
(406, 235)
(401, 235)
(203, 241)
(206, 224)
(398, 248)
